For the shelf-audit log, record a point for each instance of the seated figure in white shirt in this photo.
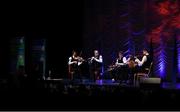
(145, 62)
(120, 60)
(144, 58)
(118, 72)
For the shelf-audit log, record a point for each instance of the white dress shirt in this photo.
(124, 61)
(144, 59)
(100, 60)
(70, 62)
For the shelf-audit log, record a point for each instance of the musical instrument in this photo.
(111, 68)
(90, 60)
(78, 60)
(131, 64)
(115, 66)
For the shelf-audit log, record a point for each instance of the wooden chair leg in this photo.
(135, 79)
(139, 78)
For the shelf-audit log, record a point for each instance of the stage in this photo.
(108, 82)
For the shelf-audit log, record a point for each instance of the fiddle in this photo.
(80, 59)
(131, 62)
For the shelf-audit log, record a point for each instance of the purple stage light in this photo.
(178, 56)
(162, 61)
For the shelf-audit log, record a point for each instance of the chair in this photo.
(138, 75)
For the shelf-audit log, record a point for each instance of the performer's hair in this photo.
(96, 50)
(120, 52)
(74, 51)
(145, 50)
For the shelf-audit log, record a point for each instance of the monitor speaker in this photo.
(150, 82)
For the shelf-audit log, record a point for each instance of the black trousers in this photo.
(123, 73)
(131, 72)
(95, 73)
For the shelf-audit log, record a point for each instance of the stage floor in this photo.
(103, 82)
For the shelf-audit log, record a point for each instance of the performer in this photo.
(74, 62)
(145, 62)
(120, 72)
(96, 65)
(120, 60)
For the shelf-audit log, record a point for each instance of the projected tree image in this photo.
(166, 21)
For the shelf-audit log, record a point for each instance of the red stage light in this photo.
(169, 13)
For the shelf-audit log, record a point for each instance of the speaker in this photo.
(150, 82)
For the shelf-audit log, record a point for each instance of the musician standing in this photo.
(96, 65)
(74, 62)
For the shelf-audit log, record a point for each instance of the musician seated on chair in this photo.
(96, 65)
(74, 62)
(120, 65)
(120, 60)
(144, 64)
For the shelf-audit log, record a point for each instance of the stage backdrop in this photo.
(130, 26)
